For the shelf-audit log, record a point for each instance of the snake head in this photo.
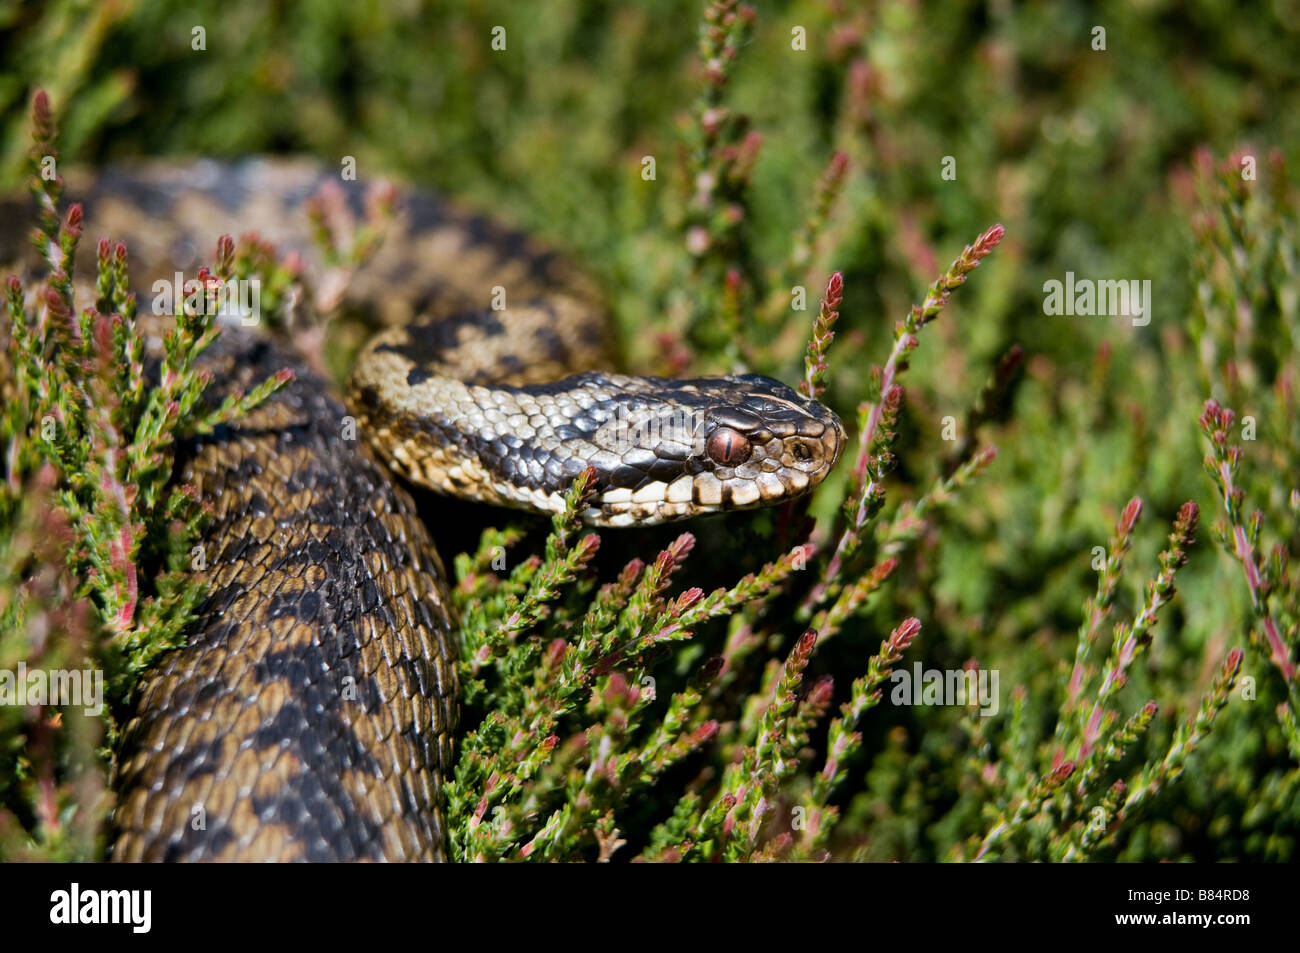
(662, 449)
(690, 447)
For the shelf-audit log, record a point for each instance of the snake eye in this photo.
(727, 448)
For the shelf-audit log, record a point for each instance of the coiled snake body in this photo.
(310, 715)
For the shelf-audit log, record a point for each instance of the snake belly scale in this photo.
(311, 713)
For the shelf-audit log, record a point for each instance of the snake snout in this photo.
(816, 447)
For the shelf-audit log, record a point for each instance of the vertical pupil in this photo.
(728, 448)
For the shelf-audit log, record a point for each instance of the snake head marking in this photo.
(689, 447)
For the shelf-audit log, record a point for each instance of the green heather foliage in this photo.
(98, 542)
(1117, 569)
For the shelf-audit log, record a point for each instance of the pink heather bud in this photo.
(989, 240)
(750, 145)
(1062, 772)
(665, 562)
(1150, 709)
(119, 252)
(555, 652)
(15, 286)
(630, 572)
(225, 253)
(616, 689)
(41, 117)
(1128, 519)
(806, 642)
(54, 302)
(835, 287)
(689, 598)
(681, 547)
(839, 165)
(820, 696)
(74, 218)
(103, 332)
(710, 669)
(102, 249)
(479, 810)
(1232, 662)
(705, 733)
(902, 637)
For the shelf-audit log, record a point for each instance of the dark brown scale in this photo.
(312, 711)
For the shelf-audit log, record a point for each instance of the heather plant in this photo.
(815, 682)
(99, 543)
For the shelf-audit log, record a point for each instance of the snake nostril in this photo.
(806, 454)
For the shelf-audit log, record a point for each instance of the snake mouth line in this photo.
(782, 474)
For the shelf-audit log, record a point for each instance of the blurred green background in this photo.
(1081, 152)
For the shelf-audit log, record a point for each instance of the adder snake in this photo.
(310, 716)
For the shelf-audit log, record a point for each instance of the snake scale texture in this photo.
(311, 714)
